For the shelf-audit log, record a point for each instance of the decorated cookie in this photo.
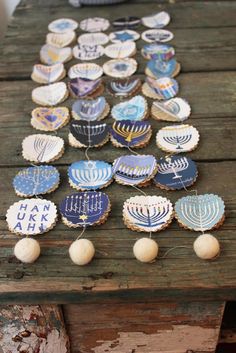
(159, 68)
(42, 148)
(88, 134)
(158, 51)
(49, 119)
(175, 109)
(98, 38)
(127, 133)
(134, 170)
(51, 55)
(124, 88)
(200, 213)
(124, 36)
(48, 74)
(50, 95)
(94, 24)
(35, 181)
(160, 89)
(84, 209)
(120, 50)
(90, 175)
(120, 68)
(62, 25)
(60, 40)
(31, 216)
(129, 22)
(175, 173)
(147, 213)
(88, 71)
(86, 52)
(80, 87)
(90, 110)
(157, 35)
(158, 20)
(177, 138)
(134, 109)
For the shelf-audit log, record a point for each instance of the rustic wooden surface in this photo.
(205, 46)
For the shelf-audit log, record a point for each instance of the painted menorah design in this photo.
(84, 204)
(90, 109)
(148, 216)
(130, 132)
(43, 146)
(91, 177)
(178, 140)
(174, 167)
(37, 176)
(89, 130)
(133, 172)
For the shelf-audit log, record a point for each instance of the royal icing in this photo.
(49, 119)
(158, 51)
(124, 36)
(120, 50)
(164, 87)
(175, 109)
(130, 133)
(50, 95)
(123, 87)
(81, 87)
(94, 24)
(48, 74)
(157, 35)
(130, 22)
(62, 25)
(51, 55)
(89, 110)
(60, 40)
(87, 71)
(133, 109)
(89, 133)
(120, 68)
(88, 52)
(93, 39)
(160, 68)
(158, 20)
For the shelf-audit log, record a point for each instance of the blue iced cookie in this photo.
(124, 87)
(159, 68)
(133, 109)
(89, 109)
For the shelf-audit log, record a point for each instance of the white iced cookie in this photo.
(145, 250)
(81, 251)
(206, 246)
(27, 250)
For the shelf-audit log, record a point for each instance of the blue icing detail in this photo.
(84, 208)
(200, 213)
(176, 172)
(160, 68)
(134, 109)
(89, 110)
(158, 51)
(90, 175)
(123, 36)
(130, 133)
(36, 180)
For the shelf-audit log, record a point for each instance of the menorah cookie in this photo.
(124, 88)
(157, 51)
(160, 68)
(134, 170)
(62, 25)
(135, 109)
(81, 88)
(98, 38)
(177, 138)
(90, 109)
(88, 134)
(157, 35)
(120, 68)
(90, 175)
(200, 212)
(60, 40)
(158, 20)
(49, 119)
(174, 109)
(147, 213)
(94, 24)
(88, 52)
(127, 133)
(51, 55)
(84, 209)
(161, 89)
(35, 181)
(50, 95)
(89, 71)
(31, 216)
(128, 22)
(175, 173)
(124, 36)
(120, 50)
(41, 148)
(48, 74)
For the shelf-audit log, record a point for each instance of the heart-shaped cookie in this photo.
(124, 87)
(49, 119)
(89, 110)
(134, 109)
(160, 68)
(88, 71)
(48, 74)
(80, 88)
(51, 55)
(50, 95)
(60, 40)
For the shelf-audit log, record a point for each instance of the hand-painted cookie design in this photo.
(90, 110)
(98, 38)
(60, 40)
(157, 35)
(87, 71)
(120, 50)
(134, 109)
(35, 181)
(158, 20)
(120, 68)
(48, 74)
(90, 175)
(177, 138)
(86, 52)
(147, 213)
(129, 22)
(84, 209)
(81, 87)
(124, 36)
(128, 133)
(88, 134)
(175, 172)
(62, 25)
(200, 213)
(51, 55)
(42, 148)
(94, 24)
(158, 51)
(175, 109)
(124, 87)
(49, 119)
(50, 95)
(134, 170)
(161, 89)
(31, 216)
(160, 68)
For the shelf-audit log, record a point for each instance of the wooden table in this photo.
(116, 304)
